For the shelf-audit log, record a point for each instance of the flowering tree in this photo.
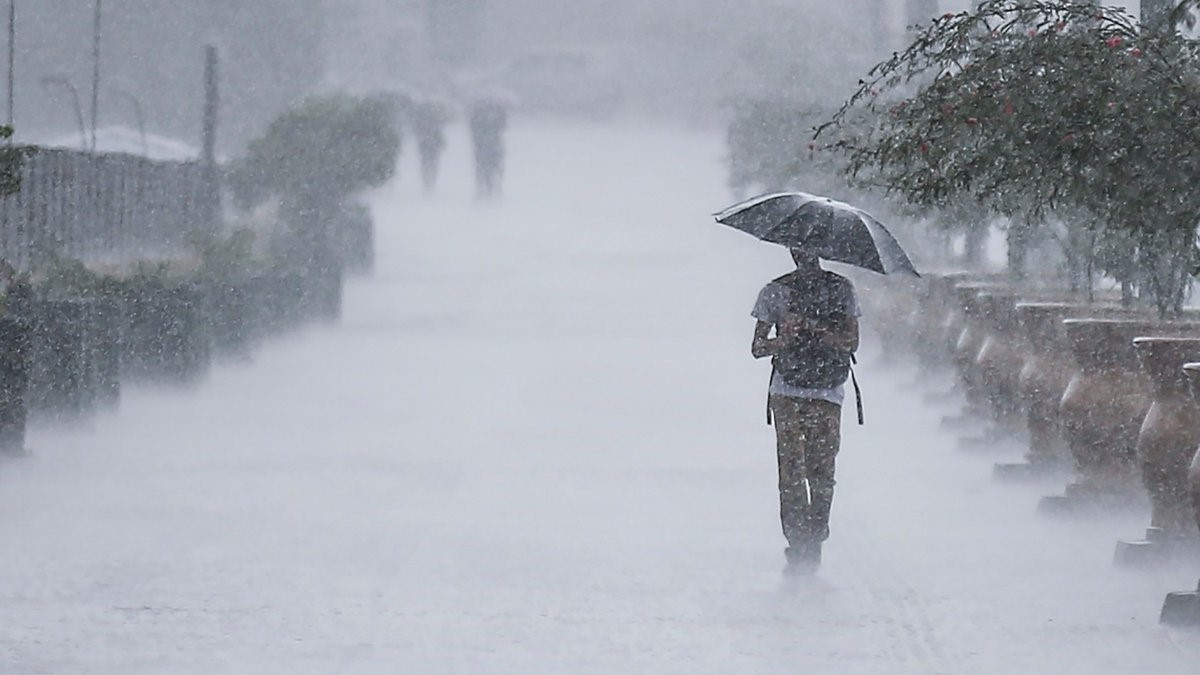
(1034, 108)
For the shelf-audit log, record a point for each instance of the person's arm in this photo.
(764, 345)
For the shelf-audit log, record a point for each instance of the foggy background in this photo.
(677, 58)
(532, 441)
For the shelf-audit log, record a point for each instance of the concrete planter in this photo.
(1166, 443)
(1104, 406)
(971, 300)
(165, 336)
(1102, 411)
(1183, 609)
(1001, 357)
(1048, 368)
(274, 303)
(62, 374)
(228, 314)
(15, 352)
(105, 319)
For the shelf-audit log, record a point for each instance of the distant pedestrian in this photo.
(429, 127)
(489, 120)
(814, 315)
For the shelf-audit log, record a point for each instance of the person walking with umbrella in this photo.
(489, 119)
(813, 315)
(429, 126)
(807, 323)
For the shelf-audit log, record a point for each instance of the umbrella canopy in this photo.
(833, 230)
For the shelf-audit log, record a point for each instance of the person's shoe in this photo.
(804, 558)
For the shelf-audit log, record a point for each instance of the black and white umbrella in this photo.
(831, 229)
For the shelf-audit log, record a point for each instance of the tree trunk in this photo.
(974, 242)
(1019, 232)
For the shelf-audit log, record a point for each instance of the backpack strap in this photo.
(857, 391)
(770, 421)
(858, 404)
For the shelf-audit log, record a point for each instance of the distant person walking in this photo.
(814, 316)
(489, 120)
(429, 126)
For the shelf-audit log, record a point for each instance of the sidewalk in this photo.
(537, 444)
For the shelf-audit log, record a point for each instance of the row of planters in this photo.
(67, 354)
(71, 336)
(1076, 127)
(1108, 395)
(1073, 128)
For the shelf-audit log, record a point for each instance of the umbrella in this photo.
(833, 230)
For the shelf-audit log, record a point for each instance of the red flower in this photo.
(948, 15)
(1069, 137)
(1032, 32)
(1008, 106)
(1114, 42)
(924, 148)
(1136, 52)
(1060, 26)
(972, 121)
(812, 146)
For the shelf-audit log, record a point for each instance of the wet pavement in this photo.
(536, 443)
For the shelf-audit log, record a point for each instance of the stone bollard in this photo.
(1166, 444)
(15, 350)
(62, 377)
(1102, 411)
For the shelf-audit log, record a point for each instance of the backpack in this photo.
(810, 363)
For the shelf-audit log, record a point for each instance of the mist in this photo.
(400, 336)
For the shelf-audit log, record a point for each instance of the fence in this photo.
(112, 207)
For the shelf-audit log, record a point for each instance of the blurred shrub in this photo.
(315, 156)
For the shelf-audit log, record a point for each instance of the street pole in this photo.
(95, 73)
(208, 158)
(12, 60)
(140, 115)
(212, 102)
(66, 84)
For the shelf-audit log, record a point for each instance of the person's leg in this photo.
(789, 437)
(821, 422)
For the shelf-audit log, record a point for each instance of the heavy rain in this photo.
(599, 336)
